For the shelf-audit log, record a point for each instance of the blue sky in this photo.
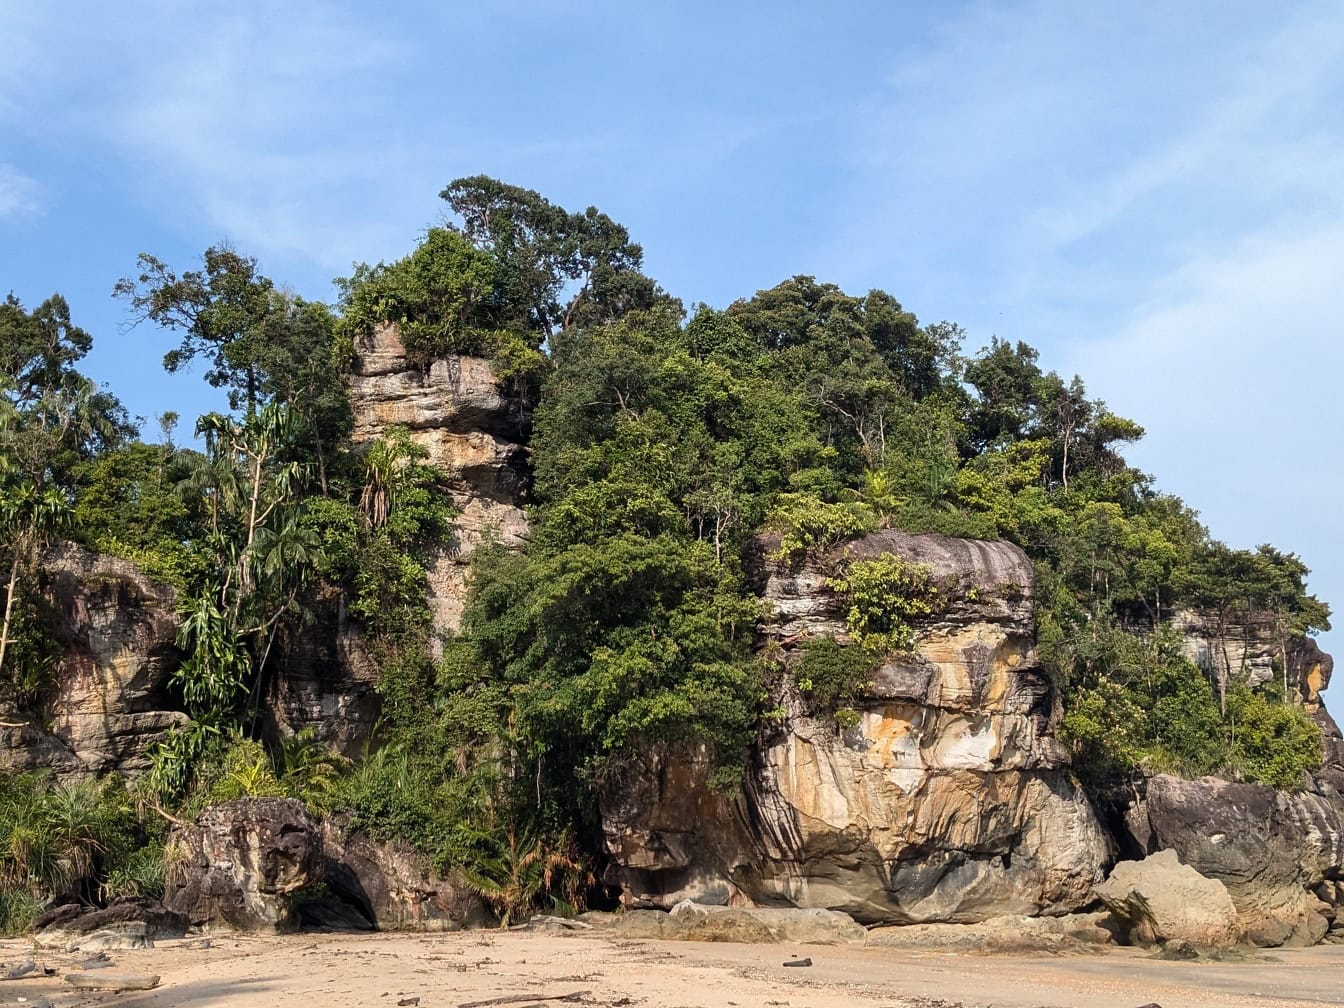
(1149, 193)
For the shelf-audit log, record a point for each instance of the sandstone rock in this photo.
(742, 925)
(785, 924)
(1160, 900)
(950, 800)
(1267, 847)
(474, 429)
(1016, 935)
(394, 886)
(329, 685)
(127, 935)
(1245, 647)
(109, 703)
(240, 861)
(69, 921)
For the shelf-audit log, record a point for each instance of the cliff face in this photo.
(948, 801)
(462, 414)
(1246, 649)
(460, 411)
(109, 702)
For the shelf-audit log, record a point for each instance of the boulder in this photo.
(1275, 851)
(948, 799)
(784, 924)
(240, 862)
(394, 886)
(1160, 900)
(70, 921)
(741, 925)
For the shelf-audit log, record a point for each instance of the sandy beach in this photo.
(528, 969)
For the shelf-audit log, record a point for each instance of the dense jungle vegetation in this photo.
(664, 440)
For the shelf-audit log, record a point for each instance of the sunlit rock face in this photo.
(109, 700)
(949, 800)
(473, 428)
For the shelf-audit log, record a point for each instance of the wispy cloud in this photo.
(19, 194)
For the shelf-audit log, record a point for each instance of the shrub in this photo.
(884, 595)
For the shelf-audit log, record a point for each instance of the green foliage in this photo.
(834, 675)
(1272, 741)
(883, 596)
(62, 838)
(805, 522)
(444, 298)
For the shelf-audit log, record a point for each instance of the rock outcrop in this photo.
(108, 703)
(690, 921)
(327, 682)
(394, 886)
(950, 800)
(473, 428)
(1161, 900)
(240, 863)
(1279, 854)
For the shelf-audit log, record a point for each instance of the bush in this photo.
(61, 839)
(883, 596)
(832, 675)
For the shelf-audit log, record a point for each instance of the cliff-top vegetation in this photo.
(664, 439)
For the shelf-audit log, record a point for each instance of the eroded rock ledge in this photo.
(950, 800)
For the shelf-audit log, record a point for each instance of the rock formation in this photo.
(393, 885)
(1278, 853)
(473, 428)
(109, 700)
(240, 862)
(950, 800)
(1161, 900)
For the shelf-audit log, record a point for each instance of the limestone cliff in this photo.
(950, 800)
(109, 700)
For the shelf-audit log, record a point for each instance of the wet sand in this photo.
(450, 970)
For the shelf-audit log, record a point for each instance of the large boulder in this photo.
(949, 799)
(109, 701)
(1160, 900)
(240, 863)
(394, 885)
(1274, 851)
(71, 920)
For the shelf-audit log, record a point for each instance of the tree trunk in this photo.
(9, 603)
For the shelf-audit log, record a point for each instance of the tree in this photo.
(556, 269)
(218, 309)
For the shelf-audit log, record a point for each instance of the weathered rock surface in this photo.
(1276, 852)
(240, 861)
(1070, 934)
(690, 921)
(949, 801)
(327, 683)
(109, 703)
(394, 886)
(70, 921)
(473, 428)
(1160, 900)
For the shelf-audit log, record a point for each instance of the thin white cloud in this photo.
(19, 194)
